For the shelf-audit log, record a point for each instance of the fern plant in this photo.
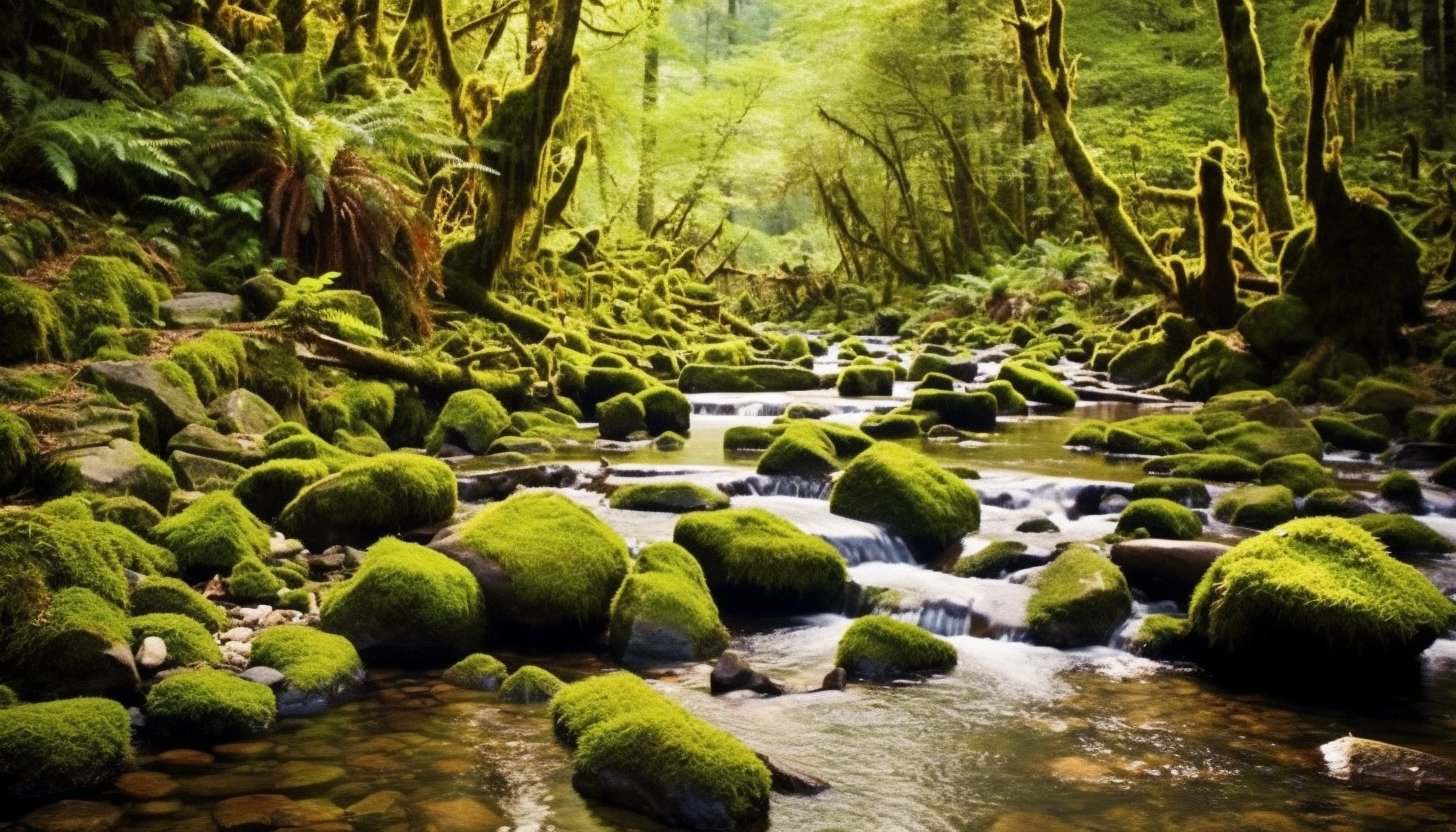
(309, 308)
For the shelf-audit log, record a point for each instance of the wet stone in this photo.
(451, 768)
(184, 758)
(73, 816)
(378, 809)
(250, 748)
(459, 815)
(156, 808)
(249, 813)
(266, 676)
(297, 775)
(146, 785)
(226, 785)
(307, 813)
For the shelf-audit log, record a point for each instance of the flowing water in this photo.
(1017, 738)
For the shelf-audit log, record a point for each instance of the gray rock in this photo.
(171, 404)
(83, 425)
(243, 411)
(1373, 764)
(199, 473)
(1418, 455)
(498, 485)
(733, 672)
(116, 469)
(836, 679)
(201, 440)
(266, 676)
(201, 309)
(790, 780)
(1165, 569)
(1038, 525)
(152, 654)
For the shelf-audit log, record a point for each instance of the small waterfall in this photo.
(942, 604)
(777, 486)
(859, 547)
(745, 409)
(943, 618)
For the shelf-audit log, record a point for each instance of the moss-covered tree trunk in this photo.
(1048, 78)
(647, 176)
(1258, 131)
(1217, 305)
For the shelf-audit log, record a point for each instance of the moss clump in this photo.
(387, 494)
(530, 685)
(212, 535)
(621, 416)
(1091, 434)
(1162, 638)
(56, 747)
(791, 348)
(665, 409)
(315, 662)
(1189, 492)
(1159, 518)
(671, 497)
(562, 564)
(1158, 435)
(1405, 536)
(890, 426)
(729, 353)
(1332, 502)
(754, 560)
(108, 291)
(748, 438)
(965, 411)
(1380, 395)
(169, 595)
(131, 513)
(18, 450)
(121, 468)
(32, 325)
(251, 581)
(931, 508)
(926, 364)
(302, 444)
(357, 408)
(1207, 467)
(276, 374)
(8, 699)
(1080, 597)
(188, 642)
(476, 671)
(1009, 402)
(74, 507)
(215, 362)
(72, 651)
(40, 556)
(939, 381)
(407, 601)
(266, 489)
(993, 561)
(803, 450)
(1346, 435)
(880, 648)
(471, 419)
(707, 378)
(677, 768)
(211, 704)
(1256, 506)
(1258, 442)
(121, 547)
(1299, 473)
(866, 381)
(1036, 384)
(663, 611)
(1400, 488)
(1318, 593)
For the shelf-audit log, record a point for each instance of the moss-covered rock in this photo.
(671, 497)
(1401, 489)
(243, 411)
(1299, 473)
(663, 611)
(251, 581)
(965, 411)
(866, 381)
(929, 507)
(1207, 467)
(168, 595)
(1009, 402)
(749, 438)
(1143, 363)
(803, 450)
(119, 468)
(81, 647)
(1036, 384)
(358, 408)
(214, 360)
(994, 560)
(937, 381)
(1080, 597)
(188, 642)
(1278, 327)
(1319, 595)
(665, 409)
(56, 747)
(476, 671)
(213, 535)
(530, 685)
(1213, 366)
(1162, 638)
(1405, 536)
(40, 556)
(163, 394)
(1256, 506)
(1346, 435)
(131, 513)
(890, 426)
(708, 378)
(471, 419)
(210, 705)
(635, 748)
(1159, 518)
(548, 566)
(387, 494)
(1182, 490)
(1380, 395)
(267, 489)
(34, 330)
(108, 291)
(621, 416)
(18, 450)
(756, 561)
(880, 648)
(407, 602)
(319, 669)
(1258, 442)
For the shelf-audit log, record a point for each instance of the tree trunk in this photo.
(557, 204)
(1217, 303)
(1126, 246)
(647, 176)
(433, 378)
(1258, 131)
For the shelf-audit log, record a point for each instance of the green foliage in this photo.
(188, 642)
(56, 747)
(313, 661)
(928, 506)
(1080, 597)
(880, 648)
(672, 497)
(168, 595)
(212, 535)
(755, 560)
(211, 704)
(387, 494)
(1159, 518)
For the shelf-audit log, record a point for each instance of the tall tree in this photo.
(1258, 131)
(647, 178)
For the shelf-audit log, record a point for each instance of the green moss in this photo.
(1299, 473)
(1161, 637)
(471, 419)
(122, 468)
(122, 547)
(792, 347)
(748, 438)
(1258, 442)
(1443, 429)
(214, 361)
(310, 447)
(931, 508)
(880, 648)
(1144, 363)
(357, 408)
(409, 602)
(940, 381)
(672, 497)
(18, 452)
(1090, 434)
(866, 381)
(1160, 518)
(383, 495)
(1379, 395)
(731, 353)
(1332, 502)
(250, 581)
(40, 556)
(315, 662)
(213, 535)
(108, 291)
(70, 650)
(1400, 488)
(74, 507)
(211, 704)
(56, 747)
(1212, 366)
(169, 595)
(965, 411)
(1207, 467)
(1316, 593)
(1080, 597)
(1404, 535)
(665, 409)
(131, 513)
(34, 330)
(1009, 402)
(1185, 491)
(706, 378)
(992, 561)
(663, 611)
(188, 642)
(476, 671)
(1036, 384)
(927, 364)
(890, 426)
(621, 416)
(276, 374)
(1256, 506)
(1346, 435)
(1156, 435)
(530, 685)
(803, 450)
(266, 489)
(757, 561)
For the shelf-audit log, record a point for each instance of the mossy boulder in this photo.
(1258, 442)
(40, 556)
(267, 489)
(51, 748)
(293, 441)
(548, 567)
(1383, 396)
(907, 491)
(204, 474)
(709, 378)
(530, 685)
(964, 411)
(210, 705)
(250, 581)
(1401, 489)
(862, 381)
(1182, 490)
(1316, 595)
(119, 468)
(319, 669)
(81, 647)
(214, 361)
(1213, 366)
(108, 291)
(1256, 506)
(1143, 363)
(671, 497)
(188, 642)
(1404, 536)
(1036, 385)
(18, 450)
(890, 426)
(749, 438)
(1204, 466)
(1346, 435)
(995, 560)
(1079, 598)
(1161, 638)
(803, 450)
(471, 419)
(476, 671)
(1333, 502)
(1091, 434)
(757, 561)
(1278, 327)
(665, 409)
(33, 327)
(407, 602)
(357, 408)
(621, 416)
(663, 611)
(1157, 435)
(1009, 402)
(164, 391)
(212, 535)
(1159, 518)
(387, 494)
(880, 648)
(243, 411)
(1299, 473)
(635, 748)
(160, 594)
